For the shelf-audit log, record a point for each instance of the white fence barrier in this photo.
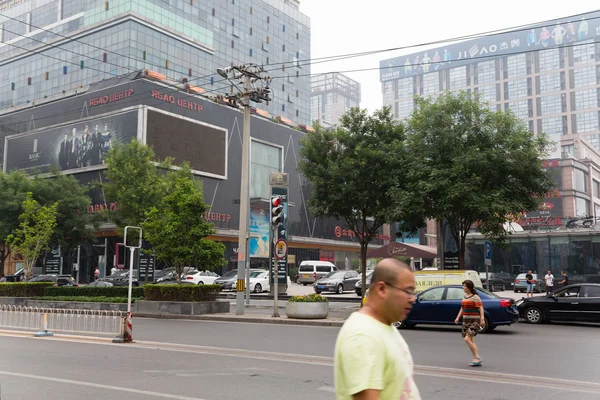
(62, 320)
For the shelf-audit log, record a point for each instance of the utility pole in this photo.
(255, 88)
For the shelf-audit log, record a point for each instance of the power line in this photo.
(340, 57)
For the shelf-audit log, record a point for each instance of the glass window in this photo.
(458, 78)
(551, 104)
(405, 87)
(580, 180)
(596, 188)
(455, 294)
(517, 89)
(519, 108)
(486, 71)
(431, 83)
(487, 93)
(584, 52)
(264, 159)
(591, 291)
(594, 140)
(549, 59)
(587, 122)
(585, 99)
(571, 292)
(550, 83)
(404, 108)
(552, 127)
(517, 65)
(388, 92)
(584, 76)
(432, 294)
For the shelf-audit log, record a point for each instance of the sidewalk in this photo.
(263, 315)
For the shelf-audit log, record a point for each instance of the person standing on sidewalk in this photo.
(549, 278)
(473, 319)
(372, 361)
(530, 283)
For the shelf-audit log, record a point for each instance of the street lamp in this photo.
(256, 88)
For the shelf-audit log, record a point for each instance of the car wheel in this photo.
(534, 315)
(515, 290)
(487, 327)
(403, 325)
(503, 287)
(317, 291)
(340, 289)
(358, 293)
(200, 283)
(304, 284)
(258, 288)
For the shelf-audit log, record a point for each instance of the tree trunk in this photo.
(363, 260)
(461, 251)
(3, 256)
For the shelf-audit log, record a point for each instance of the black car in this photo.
(16, 277)
(59, 280)
(495, 282)
(358, 285)
(572, 303)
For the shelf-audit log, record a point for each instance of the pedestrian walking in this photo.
(473, 319)
(372, 360)
(549, 278)
(530, 283)
(96, 274)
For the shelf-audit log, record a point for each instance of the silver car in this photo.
(339, 282)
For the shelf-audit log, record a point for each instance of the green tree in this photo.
(31, 239)
(468, 165)
(133, 181)
(353, 170)
(176, 227)
(13, 191)
(74, 225)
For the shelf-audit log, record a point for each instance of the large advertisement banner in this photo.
(259, 224)
(72, 146)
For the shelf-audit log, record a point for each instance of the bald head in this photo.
(388, 270)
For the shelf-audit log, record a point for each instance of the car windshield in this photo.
(230, 274)
(335, 274)
(257, 274)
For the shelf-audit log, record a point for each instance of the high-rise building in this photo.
(548, 75)
(48, 46)
(331, 95)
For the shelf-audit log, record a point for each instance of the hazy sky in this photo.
(353, 26)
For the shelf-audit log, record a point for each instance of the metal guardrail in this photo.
(62, 320)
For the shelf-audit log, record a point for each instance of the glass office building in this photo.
(548, 75)
(48, 46)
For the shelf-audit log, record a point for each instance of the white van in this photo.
(429, 279)
(311, 271)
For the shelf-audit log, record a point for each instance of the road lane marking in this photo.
(327, 389)
(99, 386)
(441, 372)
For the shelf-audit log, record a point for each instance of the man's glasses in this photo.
(408, 292)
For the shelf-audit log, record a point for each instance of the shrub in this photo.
(23, 289)
(309, 298)
(93, 291)
(96, 299)
(177, 292)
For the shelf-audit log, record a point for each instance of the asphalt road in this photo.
(192, 360)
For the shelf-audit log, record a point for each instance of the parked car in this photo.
(338, 281)
(521, 284)
(202, 277)
(358, 285)
(312, 271)
(59, 280)
(440, 306)
(16, 277)
(121, 278)
(170, 274)
(100, 283)
(507, 278)
(228, 279)
(495, 282)
(259, 281)
(579, 302)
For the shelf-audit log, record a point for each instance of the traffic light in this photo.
(276, 210)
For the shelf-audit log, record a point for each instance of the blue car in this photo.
(440, 306)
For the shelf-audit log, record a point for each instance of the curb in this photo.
(335, 309)
(268, 320)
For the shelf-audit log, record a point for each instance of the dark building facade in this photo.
(76, 132)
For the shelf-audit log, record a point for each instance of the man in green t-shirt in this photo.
(372, 361)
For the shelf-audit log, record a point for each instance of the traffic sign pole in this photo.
(488, 263)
